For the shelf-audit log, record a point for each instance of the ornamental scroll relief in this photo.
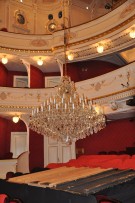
(121, 78)
(13, 96)
(3, 96)
(128, 9)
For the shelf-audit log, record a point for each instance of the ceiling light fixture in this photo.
(100, 48)
(15, 119)
(66, 116)
(70, 56)
(132, 33)
(40, 61)
(4, 60)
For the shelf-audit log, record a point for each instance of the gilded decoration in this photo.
(114, 96)
(114, 106)
(127, 10)
(116, 43)
(38, 43)
(20, 19)
(3, 96)
(98, 100)
(132, 18)
(97, 86)
(51, 26)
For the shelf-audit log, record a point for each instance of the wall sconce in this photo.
(132, 33)
(40, 61)
(70, 56)
(4, 60)
(100, 48)
(15, 119)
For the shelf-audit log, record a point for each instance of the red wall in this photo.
(89, 69)
(6, 127)
(36, 141)
(3, 75)
(7, 77)
(10, 77)
(52, 74)
(36, 150)
(36, 78)
(115, 137)
(3, 132)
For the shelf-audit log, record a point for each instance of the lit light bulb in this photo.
(100, 48)
(70, 56)
(4, 60)
(98, 109)
(132, 33)
(40, 62)
(15, 119)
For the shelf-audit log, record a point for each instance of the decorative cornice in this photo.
(16, 107)
(99, 35)
(114, 96)
(71, 44)
(32, 51)
(79, 42)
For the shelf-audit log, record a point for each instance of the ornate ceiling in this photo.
(30, 18)
(35, 16)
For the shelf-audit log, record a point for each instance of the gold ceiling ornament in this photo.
(67, 116)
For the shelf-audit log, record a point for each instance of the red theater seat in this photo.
(4, 198)
(105, 199)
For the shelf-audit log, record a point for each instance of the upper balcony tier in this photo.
(111, 30)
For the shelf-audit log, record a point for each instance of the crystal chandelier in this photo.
(66, 116)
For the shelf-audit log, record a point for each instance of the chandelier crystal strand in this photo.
(66, 116)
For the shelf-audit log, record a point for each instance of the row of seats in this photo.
(4, 198)
(11, 174)
(103, 161)
(100, 199)
(112, 152)
(128, 150)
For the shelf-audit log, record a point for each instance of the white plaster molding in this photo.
(27, 65)
(102, 89)
(25, 119)
(109, 83)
